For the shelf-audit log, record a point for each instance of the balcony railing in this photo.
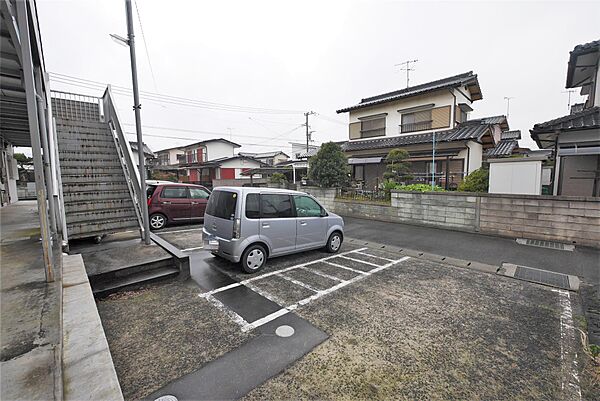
(413, 127)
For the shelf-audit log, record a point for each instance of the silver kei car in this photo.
(249, 225)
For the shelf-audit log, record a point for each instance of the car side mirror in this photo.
(323, 213)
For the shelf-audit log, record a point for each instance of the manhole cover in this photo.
(284, 331)
(167, 398)
(542, 277)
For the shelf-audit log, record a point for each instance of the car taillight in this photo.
(149, 200)
(236, 228)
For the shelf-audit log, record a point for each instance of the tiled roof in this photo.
(472, 129)
(262, 155)
(467, 78)
(586, 47)
(310, 153)
(588, 118)
(502, 148)
(510, 135)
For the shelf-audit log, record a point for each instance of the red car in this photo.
(176, 203)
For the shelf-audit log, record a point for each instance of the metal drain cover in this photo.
(539, 276)
(546, 244)
(284, 331)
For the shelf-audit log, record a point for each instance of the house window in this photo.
(372, 127)
(191, 156)
(359, 172)
(417, 121)
(163, 159)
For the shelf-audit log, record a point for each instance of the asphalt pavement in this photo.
(583, 261)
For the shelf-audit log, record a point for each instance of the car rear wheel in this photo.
(157, 221)
(334, 243)
(254, 258)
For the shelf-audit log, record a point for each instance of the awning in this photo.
(579, 151)
(364, 160)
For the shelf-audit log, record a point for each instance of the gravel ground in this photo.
(162, 332)
(422, 330)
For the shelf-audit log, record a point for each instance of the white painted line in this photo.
(318, 295)
(360, 261)
(318, 273)
(191, 249)
(297, 282)
(265, 320)
(266, 294)
(346, 268)
(225, 288)
(178, 231)
(376, 257)
(234, 316)
(568, 354)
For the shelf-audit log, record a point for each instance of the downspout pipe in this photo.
(453, 114)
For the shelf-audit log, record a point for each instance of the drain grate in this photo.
(542, 277)
(545, 244)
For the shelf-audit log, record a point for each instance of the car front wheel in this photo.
(254, 259)
(334, 243)
(157, 221)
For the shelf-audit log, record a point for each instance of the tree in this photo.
(477, 181)
(22, 160)
(397, 168)
(329, 167)
(278, 178)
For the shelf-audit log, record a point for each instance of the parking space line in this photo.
(191, 249)
(297, 282)
(178, 231)
(318, 273)
(360, 261)
(377, 257)
(234, 316)
(346, 268)
(244, 282)
(287, 309)
(265, 294)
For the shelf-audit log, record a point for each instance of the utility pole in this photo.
(569, 92)
(138, 123)
(507, 98)
(406, 68)
(308, 113)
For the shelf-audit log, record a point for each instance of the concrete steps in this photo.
(103, 288)
(96, 194)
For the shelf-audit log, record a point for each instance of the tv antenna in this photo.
(405, 66)
(569, 92)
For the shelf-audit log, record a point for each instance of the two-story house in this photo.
(575, 138)
(213, 162)
(269, 158)
(414, 119)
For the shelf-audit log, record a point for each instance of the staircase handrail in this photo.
(132, 174)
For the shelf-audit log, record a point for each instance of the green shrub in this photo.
(397, 168)
(477, 181)
(278, 178)
(419, 188)
(329, 167)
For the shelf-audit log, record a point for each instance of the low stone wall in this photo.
(553, 218)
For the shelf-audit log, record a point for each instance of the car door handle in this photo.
(302, 223)
(195, 203)
(266, 225)
(165, 203)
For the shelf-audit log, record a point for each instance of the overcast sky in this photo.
(319, 56)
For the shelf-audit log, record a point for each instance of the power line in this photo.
(189, 139)
(137, 10)
(201, 132)
(332, 120)
(64, 78)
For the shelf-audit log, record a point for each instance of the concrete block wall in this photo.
(552, 218)
(454, 210)
(563, 219)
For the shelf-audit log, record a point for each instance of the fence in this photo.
(563, 219)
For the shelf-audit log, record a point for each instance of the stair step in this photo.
(69, 142)
(89, 178)
(90, 170)
(86, 146)
(86, 196)
(89, 125)
(95, 186)
(81, 164)
(137, 278)
(98, 204)
(81, 230)
(90, 216)
(92, 156)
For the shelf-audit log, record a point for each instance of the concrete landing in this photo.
(30, 310)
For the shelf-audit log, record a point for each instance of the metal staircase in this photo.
(98, 178)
